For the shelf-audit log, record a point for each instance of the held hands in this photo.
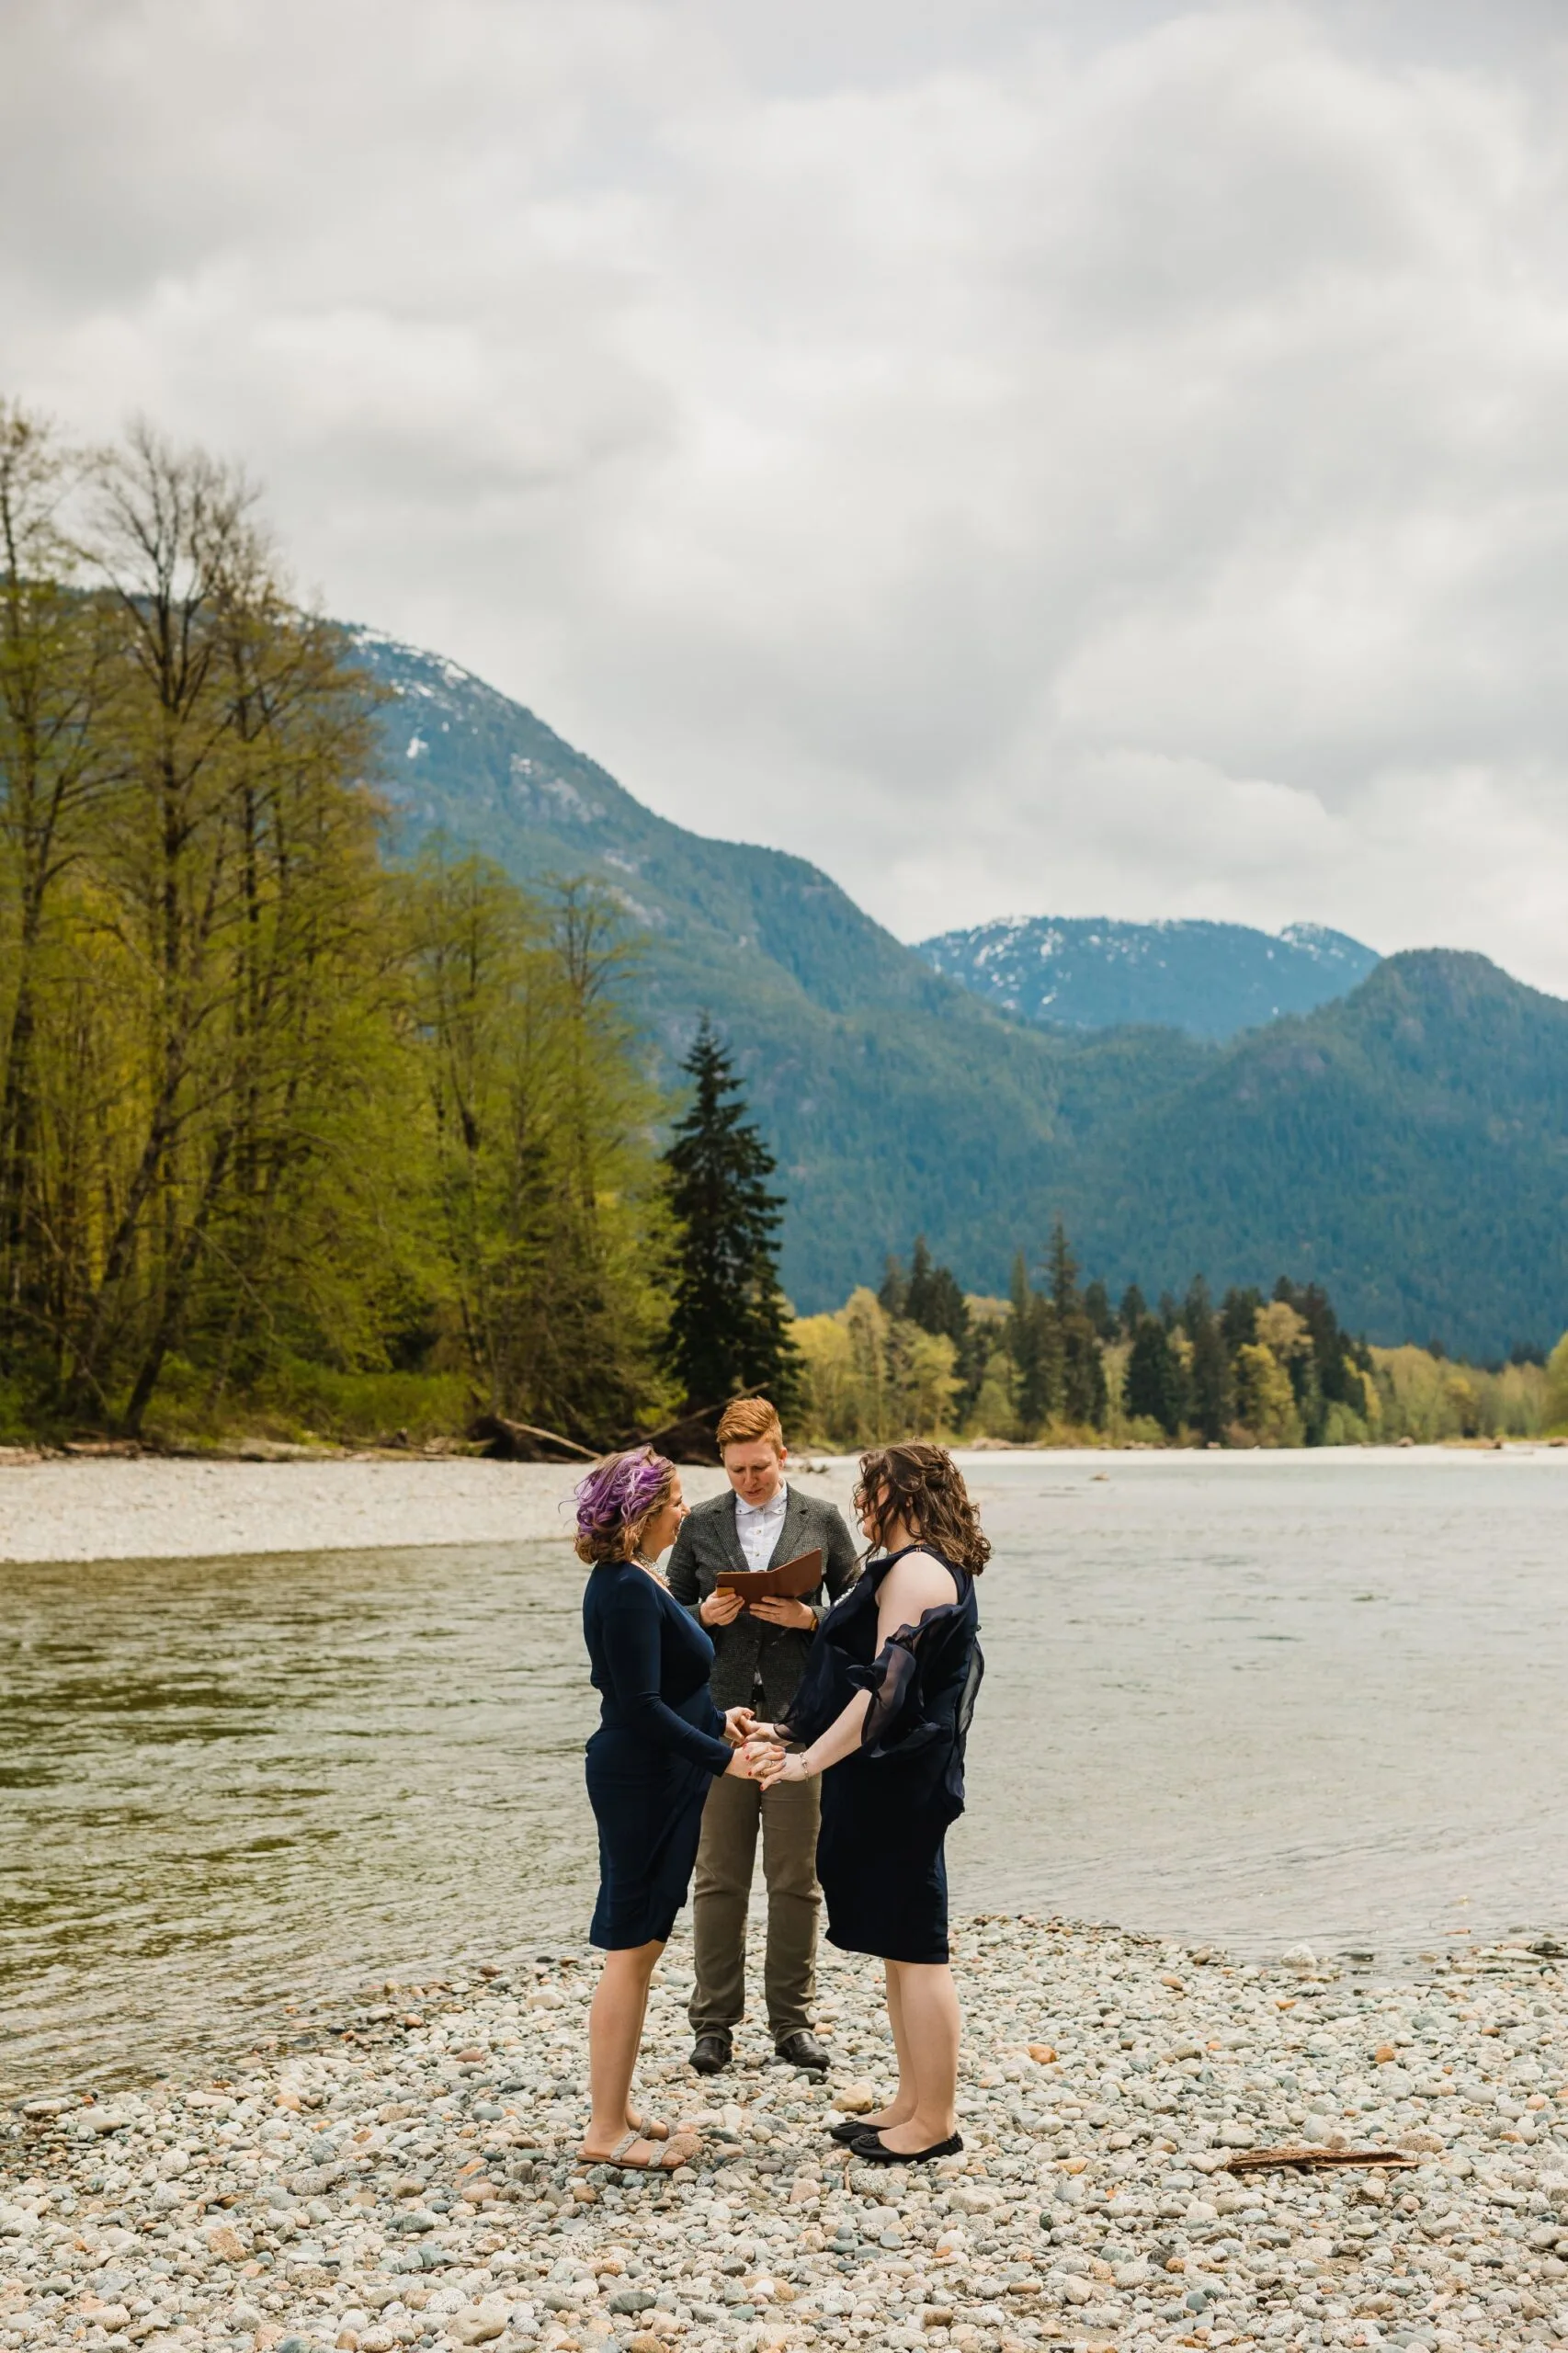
(741, 1732)
(769, 1762)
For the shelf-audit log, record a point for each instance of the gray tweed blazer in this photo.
(747, 1651)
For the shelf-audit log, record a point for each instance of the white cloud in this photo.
(1107, 458)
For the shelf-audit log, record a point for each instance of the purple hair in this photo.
(616, 1498)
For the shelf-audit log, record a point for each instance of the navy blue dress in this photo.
(885, 1809)
(654, 1758)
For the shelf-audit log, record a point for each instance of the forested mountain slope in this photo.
(893, 1098)
(1407, 1147)
(1212, 979)
(1407, 1144)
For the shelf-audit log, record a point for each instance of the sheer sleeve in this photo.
(895, 1720)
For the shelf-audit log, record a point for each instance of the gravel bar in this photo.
(152, 1509)
(407, 2175)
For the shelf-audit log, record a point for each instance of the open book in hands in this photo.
(790, 1581)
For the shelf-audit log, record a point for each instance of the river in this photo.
(1247, 1698)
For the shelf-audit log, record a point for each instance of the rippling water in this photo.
(1256, 1698)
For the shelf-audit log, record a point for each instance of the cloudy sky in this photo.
(1085, 457)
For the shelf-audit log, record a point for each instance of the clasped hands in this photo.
(761, 1750)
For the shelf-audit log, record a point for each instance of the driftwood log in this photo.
(690, 1437)
(506, 1441)
(1273, 2160)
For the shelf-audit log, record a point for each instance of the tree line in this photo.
(291, 1130)
(1056, 1361)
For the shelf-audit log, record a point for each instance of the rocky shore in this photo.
(155, 1509)
(411, 2178)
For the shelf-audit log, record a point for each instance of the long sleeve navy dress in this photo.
(657, 1748)
(886, 1807)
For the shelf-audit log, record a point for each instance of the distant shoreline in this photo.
(152, 1508)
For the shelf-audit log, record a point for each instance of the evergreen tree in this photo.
(1212, 1392)
(934, 1300)
(1034, 1343)
(1083, 1385)
(1238, 1320)
(1337, 1383)
(894, 1287)
(919, 1283)
(1063, 1273)
(1154, 1377)
(729, 1325)
(1098, 1308)
(1132, 1311)
(1084, 1397)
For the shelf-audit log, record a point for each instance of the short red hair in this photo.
(745, 1421)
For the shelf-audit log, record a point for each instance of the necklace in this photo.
(653, 1569)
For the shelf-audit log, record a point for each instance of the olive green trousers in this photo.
(788, 1815)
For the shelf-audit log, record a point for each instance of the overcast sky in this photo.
(1091, 458)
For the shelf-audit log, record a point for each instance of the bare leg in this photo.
(929, 2025)
(615, 2032)
(901, 2105)
(631, 2118)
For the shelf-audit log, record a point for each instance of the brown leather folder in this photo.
(792, 1579)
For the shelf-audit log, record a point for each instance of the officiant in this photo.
(760, 1655)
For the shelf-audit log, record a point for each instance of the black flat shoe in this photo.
(870, 2145)
(848, 2131)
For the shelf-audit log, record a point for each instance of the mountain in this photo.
(1406, 1144)
(894, 1099)
(1407, 1147)
(1092, 973)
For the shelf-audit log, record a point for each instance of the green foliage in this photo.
(729, 1329)
(551, 1229)
(867, 1376)
(1256, 1371)
(1156, 1388)
(934, 1298)
(1554, 1408)
(1266, 1403)
(1411, 1394)
(1211, 1372)
(286, 1135)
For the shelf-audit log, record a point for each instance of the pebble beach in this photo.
(406, 2175)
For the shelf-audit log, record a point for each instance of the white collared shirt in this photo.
(758, 1526)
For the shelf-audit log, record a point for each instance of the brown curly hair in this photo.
(921, 1484)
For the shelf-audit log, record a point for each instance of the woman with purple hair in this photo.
(660, 1743)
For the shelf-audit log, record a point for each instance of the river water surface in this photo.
(1249, 1698)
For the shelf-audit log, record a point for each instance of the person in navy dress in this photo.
(883, 1712)
(660, 1743)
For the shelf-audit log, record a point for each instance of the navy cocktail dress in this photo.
(885, 1808)
(652, 1761)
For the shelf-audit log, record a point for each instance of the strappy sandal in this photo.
(651, 2127)
(671, 2154)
